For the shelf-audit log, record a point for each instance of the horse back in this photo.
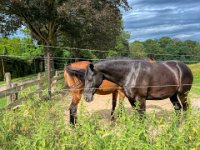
(80, 64)
(162, 80)
(168, 78)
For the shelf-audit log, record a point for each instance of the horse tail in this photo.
(79, 73)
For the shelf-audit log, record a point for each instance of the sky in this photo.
(152, 19)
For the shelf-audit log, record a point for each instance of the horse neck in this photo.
(112, 72)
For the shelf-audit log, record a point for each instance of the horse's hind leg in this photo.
(114, 103)
(175, 102)
(183, 99)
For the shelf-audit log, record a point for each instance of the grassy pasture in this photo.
(196, 82)
(42, 125)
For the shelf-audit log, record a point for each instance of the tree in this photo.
(153, 48)
(48, 19)
(137, 49)
(165, 41)
(122, 46)
(11, 46)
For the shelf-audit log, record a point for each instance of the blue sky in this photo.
(158, 18)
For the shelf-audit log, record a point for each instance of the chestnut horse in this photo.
(74, 79)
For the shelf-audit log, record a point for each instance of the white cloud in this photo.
(157, 18)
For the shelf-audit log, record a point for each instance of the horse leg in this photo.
(142, 105)
(177, 107)
(132, 101)
(73, 107)
(175, 102)
(183, 99)
(121, 96)
(72, 112)
(114, 103)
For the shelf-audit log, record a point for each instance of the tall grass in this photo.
(196, 83)
(42, 125)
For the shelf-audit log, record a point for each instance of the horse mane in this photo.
(145, 59)
(79, 73)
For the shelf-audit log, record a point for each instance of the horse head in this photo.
(93, 80)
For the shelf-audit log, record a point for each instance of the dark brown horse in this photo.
(142, 80)
(74, 77)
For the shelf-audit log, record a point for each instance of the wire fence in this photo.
(62, 60)
(98, 50)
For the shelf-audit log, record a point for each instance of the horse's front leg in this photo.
(72, 113)
(141, 105)
(114, 103)
(132, 101)
(73, 107)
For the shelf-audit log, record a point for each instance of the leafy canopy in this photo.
(82, 23)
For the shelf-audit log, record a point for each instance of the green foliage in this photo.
(19, 47)
(19, 57)
(31, 126)
(40, 125)
(196, 81)
(167, 48)
(3, 102)
(137, 49)
(78, 23)
(122, 47)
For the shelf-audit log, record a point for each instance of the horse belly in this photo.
(161, 93)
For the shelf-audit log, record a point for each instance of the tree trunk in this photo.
(49, 69)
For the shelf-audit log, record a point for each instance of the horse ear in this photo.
(91, 66)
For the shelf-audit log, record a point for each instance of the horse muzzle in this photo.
(88, 98)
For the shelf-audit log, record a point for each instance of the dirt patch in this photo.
(103, 104)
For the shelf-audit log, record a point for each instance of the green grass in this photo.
(41, 125)
(3, 102)
(196, 82)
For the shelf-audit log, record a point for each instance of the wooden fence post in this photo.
(15, 95)
(8, 83)
(54, 81)
(39, 85)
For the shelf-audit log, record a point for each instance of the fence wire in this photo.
(62, 61)
(97, 50)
